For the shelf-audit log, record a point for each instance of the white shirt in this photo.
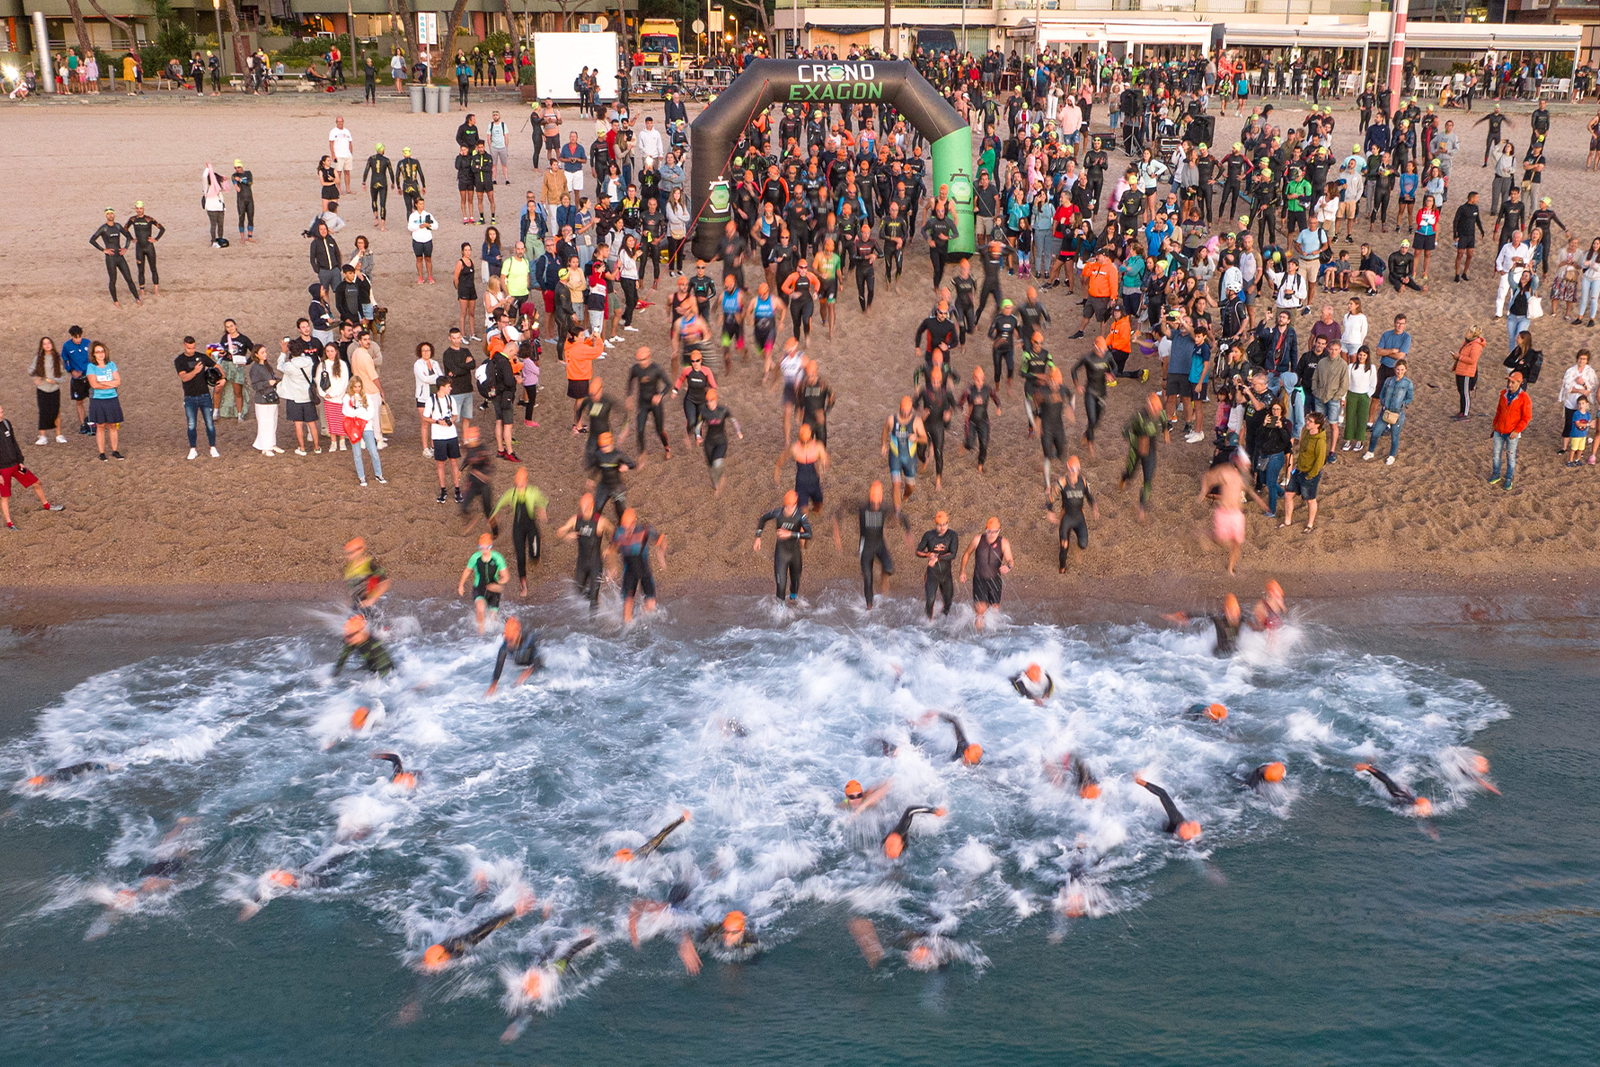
(1508, 252)
(1576, 383)
(651, 146)
(1355, 332)
(1232, 279)
(342, 142)
(1363, 380)
(439, 407)
(1292, 293)
(420, 224)
(425, 372)
(354, 409)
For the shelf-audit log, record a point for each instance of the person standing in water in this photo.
(519, 645)
(487, 569)
(993, 562)
(590, 530)
(793, 529)
(872, 518)
(632, 542)
(359, 641)
(938, 546)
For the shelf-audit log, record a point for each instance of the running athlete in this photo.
(1185, 829)
(487, 569)
(1271, 609)
(938, 546)
(1141, 431)
(1398, 795)
(145, 232)
(992, 260)
(1003, 332)
(1065, 506)
(110, 239)
(792, 377)
(992, 563)
(363, 576)
(810, 463)
(360, 641)
(864, 253)
(793, 529)
(632, 542)
(764, 315)
(712, 434)
(1034, 683)
(527, 505)
(628, 855)
(826, 266)
(938, 406)
(894, 843)
(892, 231)
(521, 647)
(976, 400)
(733, 312)
(376, 178)
(694, 382)
(1090, 377)
(903, 433)
(1050, 404)
(1226, 487)
(872, 519)
(800, 289)
(816, 400)
(649, 385)
(590, 530)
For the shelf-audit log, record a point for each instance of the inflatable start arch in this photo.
(768, 81)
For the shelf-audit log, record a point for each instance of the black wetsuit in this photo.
(872, 546)
(244, 199)
(1068, 499)
(455, 946)
(607, 466)
(937, 579)
(903, 827)
(1227, 635)
(589, 570)
(1174, 816)
(987, 582)
(374, 656)
(111, 237)
(786, 557)
(377, 176)
(652, 383)
(1399, 794)
(978, 399)
(145, 231)
(936, 405)
(655, 842)
(524, 654)
(67, 774)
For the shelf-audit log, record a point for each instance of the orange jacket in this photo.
(1121, 335)
(581, 356)
(1101, 277)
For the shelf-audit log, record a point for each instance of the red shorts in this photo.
(25, 478)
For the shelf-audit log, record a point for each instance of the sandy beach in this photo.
(181, 528)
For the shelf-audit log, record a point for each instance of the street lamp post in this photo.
(222, 53)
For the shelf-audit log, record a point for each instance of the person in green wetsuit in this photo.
(487, 569)
(1141, 431)
(359, 641)
(527, 504)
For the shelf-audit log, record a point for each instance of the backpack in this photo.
(485, 383)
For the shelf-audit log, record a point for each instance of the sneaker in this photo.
(299, 451)
(1495, 480)
(60, 440)
(84, 429)
(363, 485)
(458, 494)
(11, 525)
(1507, 485)
(194, 453)
(1368, 455)
(214, 453)
(511, 457)
(1389, 462)
(1144, 376)
(1332, 459)
(1191, 438)
(382, 481)
(55, 507)
(631, 329)
(117, 455)
(43, 440)
(440, 498)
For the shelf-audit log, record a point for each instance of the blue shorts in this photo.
(902, 467)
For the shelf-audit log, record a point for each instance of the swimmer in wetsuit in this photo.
(1227, 625)
(359, 641)
(810, 459)
(315, 875)
(628, 855)
(1088, 785)
(1067, 497)
(590, 530)
(1266, 773)
(440, 954)
(1270, 609)
(488, 571)
(65, 774)
(967, 752)
(894, 843)
(1035, 684)
(1214, 712)
(1184, 829)
(857, 799)
(403, 779)
(540, 981)
(793, 530)
(1398, 795)
(522, 648)
(872, 518)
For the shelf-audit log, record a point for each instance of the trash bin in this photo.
(416, 99)
(445, 92)
(430, 96)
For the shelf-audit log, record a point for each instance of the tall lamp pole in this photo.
(222, 53)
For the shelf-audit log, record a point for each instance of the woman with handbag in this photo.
(1273, 442)
(333, 382)
(1464, 365)
(1566, 276)
(359, 419)
(264, 395)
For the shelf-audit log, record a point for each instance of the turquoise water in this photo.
(1312, 925)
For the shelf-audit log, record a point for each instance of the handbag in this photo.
(1391, 417)
(1535, 307)
(268, 396)
(385, 419)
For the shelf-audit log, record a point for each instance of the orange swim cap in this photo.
(1090, 791)
(513, 629)
(1217, 712)
(1363, 767)
(283, 878)
(37, 781)
(405, 780)
(893, 845)
(1230, 603)
(941, 516)
(623, 855)
(1138, 779)
(939, 813)
(358, 718)
(1273, 588)
(1422, 806)
(992, 524)
(485, 540)
(533, 984)
(354, 625)
(436, 956)
(922, 954)
(1480, 764)
(355, 544)
(1273, 772)
(972, 754)
(1189, 830)
(733, 922)
(853, 790)
(1034, 672)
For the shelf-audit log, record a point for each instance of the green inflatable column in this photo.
(952, 166)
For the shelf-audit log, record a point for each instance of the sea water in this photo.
(1024, 924)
